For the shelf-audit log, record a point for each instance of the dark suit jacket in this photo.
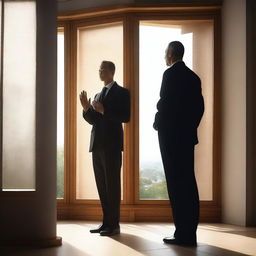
(181, 105)
(107, 130)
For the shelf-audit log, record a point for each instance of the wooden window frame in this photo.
(132, 208)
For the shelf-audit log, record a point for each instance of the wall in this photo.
(251, 112)
(68, 5)
(234, 112)
(82, 4)
(30, 217)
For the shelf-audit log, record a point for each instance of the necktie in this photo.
(103, 93)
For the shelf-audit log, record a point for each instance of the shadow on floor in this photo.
(149, 248)
(65, 250)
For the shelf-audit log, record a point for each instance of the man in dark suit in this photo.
(180, 110)
(110, 108)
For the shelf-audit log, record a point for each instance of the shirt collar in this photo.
(110, 85)
(176, 62)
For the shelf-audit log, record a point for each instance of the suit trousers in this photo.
(107, 169)
(178, 162)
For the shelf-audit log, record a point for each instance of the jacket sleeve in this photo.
(91, 116)
(119, 112)
(199, 106)
(169, 100)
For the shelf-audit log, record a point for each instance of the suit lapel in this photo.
(111, 92)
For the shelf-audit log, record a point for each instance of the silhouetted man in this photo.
(180, 110)
(110, 108)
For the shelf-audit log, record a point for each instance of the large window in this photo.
(197, 38)
(18, 90)
(152, 66)
(60, 115)
(136, 43)
(94, 44)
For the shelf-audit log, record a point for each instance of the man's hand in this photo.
(84, 101)
(97, 106)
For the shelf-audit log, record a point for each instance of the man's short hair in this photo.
(177, 48)
(111, 66)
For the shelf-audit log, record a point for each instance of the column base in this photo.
(51, 242)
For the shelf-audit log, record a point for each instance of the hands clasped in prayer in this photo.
(86, 103)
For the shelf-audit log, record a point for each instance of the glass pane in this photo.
(152, 178)
(19, 88)
(60, 116)
(97, 43)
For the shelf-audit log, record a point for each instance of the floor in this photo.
(137, 239)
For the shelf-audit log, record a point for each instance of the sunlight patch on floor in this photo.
(217, 236)
(80, 238)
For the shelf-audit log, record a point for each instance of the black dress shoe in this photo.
(173, 240)
(97, 230)
(110, 231)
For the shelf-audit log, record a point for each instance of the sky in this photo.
(153, 42)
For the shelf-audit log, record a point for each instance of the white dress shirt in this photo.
(109, 87)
